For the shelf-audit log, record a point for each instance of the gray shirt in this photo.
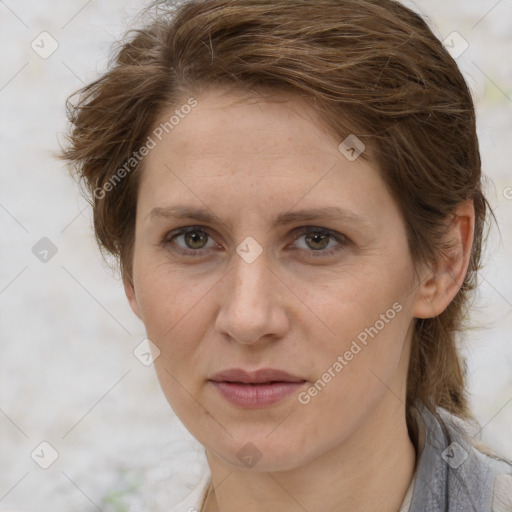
(451, 474)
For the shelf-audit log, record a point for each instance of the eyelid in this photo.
(317, 229)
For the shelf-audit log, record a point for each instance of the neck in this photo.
(370, 471)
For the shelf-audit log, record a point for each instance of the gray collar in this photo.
(451, 474)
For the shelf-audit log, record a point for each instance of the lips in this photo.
(252, 390)
(263, 376)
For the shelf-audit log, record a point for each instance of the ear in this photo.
(129, 290)
(441, 284)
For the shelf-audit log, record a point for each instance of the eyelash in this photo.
(342, 240)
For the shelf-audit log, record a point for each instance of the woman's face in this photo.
(262, 279)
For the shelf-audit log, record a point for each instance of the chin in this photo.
(265, 460)
(259, 452)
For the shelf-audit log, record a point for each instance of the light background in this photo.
(67, 372)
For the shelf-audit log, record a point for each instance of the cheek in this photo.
(368, 315)
(174, 315)
(162, 297)
(351, 377)
(360, 299)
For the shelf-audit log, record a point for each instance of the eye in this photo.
(316, 241)
(194, 238)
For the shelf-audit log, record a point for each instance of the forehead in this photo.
(238, 125)
(229, 131)
(243, 149)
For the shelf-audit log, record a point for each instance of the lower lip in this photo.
(253, 396)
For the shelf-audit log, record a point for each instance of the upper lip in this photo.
(265, 375)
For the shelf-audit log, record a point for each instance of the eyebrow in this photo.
(202, 215)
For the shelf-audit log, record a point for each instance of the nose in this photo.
(252, 308)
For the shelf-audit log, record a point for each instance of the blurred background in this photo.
(73, 396)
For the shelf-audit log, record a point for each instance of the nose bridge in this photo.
(250, 262)
(247, 311)
(249, 278)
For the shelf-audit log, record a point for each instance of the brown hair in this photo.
(370, 67)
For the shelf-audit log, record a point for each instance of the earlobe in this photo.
(439, 287)
(129, 290)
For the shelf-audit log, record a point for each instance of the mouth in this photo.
(252, 390)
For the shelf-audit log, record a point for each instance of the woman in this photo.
(293, 190)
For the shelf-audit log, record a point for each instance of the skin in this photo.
(293, 308)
